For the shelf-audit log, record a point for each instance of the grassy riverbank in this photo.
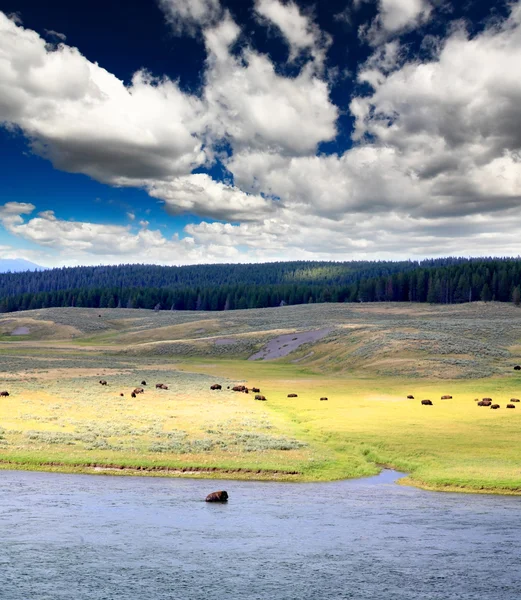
(59, 418)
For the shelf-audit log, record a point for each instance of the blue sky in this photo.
(241, 131)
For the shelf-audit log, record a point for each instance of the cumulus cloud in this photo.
(200, 193)
(253, 106)
(188, 16)
(85, 120)
(434, 167)
(300, 32)
(395, 17)
(92, 243)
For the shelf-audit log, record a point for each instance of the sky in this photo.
(223, 131)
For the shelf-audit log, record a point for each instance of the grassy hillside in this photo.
(365, 359)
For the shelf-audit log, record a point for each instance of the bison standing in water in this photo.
(427, 403)
(220, 496)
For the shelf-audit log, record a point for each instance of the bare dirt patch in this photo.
(283, 345)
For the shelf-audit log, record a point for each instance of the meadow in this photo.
(58, 416)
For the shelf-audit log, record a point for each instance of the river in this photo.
(84, 537)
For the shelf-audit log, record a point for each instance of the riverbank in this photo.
(58, 417)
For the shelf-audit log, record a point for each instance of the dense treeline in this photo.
(228, 287)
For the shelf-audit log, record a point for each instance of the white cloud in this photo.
(71, 242)
(395, 17)
(131, 216)
(434, 169)
(301, 33)
(253, 106)
(200, 193)
(188, 16)
(85, 120)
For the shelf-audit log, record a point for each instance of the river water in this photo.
(81, 537)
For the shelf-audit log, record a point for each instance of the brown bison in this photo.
(239, 388)
(143, 382)
(216, 386)
(494, 406)
(485, 403)
(133, 395)
(517, 368)
(446, 397)
(514, 399)
(511, 405)
(103, 382)
(122, 394)
(139, 391)
(220, 496)
(487, 399)
(427, 403)
(292, 396)
(161, 386)
(409, 397)
(4, 393)
(323, 399)
(255, 390)
(259, 397)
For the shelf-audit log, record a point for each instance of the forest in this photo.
(241, 286)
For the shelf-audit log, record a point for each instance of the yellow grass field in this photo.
(58, 416)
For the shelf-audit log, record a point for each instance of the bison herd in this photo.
(483, 402)
(246, 390)
(135, 392)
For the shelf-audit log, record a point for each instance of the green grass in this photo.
(59, 418)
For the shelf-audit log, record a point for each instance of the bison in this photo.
(255, 390)
(143, 382)
(220, 496)
(323, 399)
(514, 399)
(122, 394)
(216, 386)
(239, 388)
(161, 386)
(427, 403)
(511, 405)
(446, 397)
(485, 403)
(259, 397)
(292, 396)
(139, 391)
(133, 395)
(487, 399)
(4, 393)
(103, 382)
(494, 406)
(409, 397)
(517, 368)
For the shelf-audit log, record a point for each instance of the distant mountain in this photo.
(17, 265)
